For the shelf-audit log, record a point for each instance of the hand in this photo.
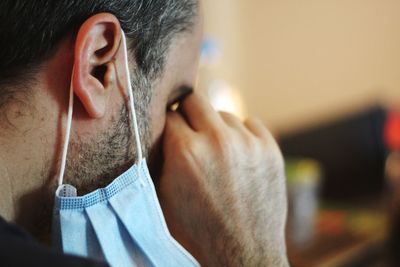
(222, 188)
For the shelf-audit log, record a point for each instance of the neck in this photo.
(7, 210)
(26, 178)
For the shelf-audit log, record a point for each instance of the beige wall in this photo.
(298, 63)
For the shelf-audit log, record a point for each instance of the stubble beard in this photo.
(96, 163)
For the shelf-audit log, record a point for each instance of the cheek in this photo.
(158, 124)
(158, 109)
(158, 117)
(155, 159)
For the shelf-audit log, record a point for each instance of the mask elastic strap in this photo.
(67, 133)
(132, 108)
(132, 101)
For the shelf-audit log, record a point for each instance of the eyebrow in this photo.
(180, 94)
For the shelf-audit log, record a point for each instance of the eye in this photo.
(178, 96)
(174, 106)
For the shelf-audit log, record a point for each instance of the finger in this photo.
(176, 126)
(199, 113)
(256, 127)
(176, 132)
(233, 121)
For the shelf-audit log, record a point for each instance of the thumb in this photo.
(177, 130)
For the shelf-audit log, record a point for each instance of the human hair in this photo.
(31, 29)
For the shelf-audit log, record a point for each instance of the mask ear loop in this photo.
(67, 133)
(132, 101)
(71, 108)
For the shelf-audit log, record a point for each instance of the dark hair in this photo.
(31, 29)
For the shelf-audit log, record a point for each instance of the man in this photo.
(220, 182)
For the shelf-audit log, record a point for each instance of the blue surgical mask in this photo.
(121, 224)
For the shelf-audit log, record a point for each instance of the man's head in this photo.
(31, 30)
(43, 42)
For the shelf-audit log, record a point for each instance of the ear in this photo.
(96, 47)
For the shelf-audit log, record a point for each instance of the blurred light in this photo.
(225, 98)
(211, 53)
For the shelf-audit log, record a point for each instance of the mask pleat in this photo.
(110, 236)
(145, 224)
(79, 238)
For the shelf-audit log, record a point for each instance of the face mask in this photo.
(121, 224)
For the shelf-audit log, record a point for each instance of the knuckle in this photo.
(219, 134)
(227, 115)
(250, 120)
(223, 113)
(252, 143)
(254, 121)
(222, 140)
(230, 119)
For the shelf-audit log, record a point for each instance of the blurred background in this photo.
(324, 76)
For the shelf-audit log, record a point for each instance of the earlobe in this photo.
(96, 46)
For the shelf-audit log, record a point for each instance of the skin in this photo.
(221, 183)
(222, 188)
(33, 128)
